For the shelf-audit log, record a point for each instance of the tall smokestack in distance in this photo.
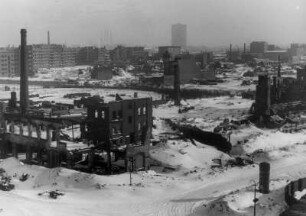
(279, 67)
(48, 38)
(244, 48)
(24, 91)
(230, 52)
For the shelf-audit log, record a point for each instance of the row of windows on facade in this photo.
(7, 58)
(119, 130)
(118, 114)
(8, 61)
(4, 64)
(25, 130)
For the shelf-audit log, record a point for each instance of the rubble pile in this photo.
(52, 194)
(5, 181)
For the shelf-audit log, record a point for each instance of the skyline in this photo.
(210, 23)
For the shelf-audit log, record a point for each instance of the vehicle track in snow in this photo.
(186, 203)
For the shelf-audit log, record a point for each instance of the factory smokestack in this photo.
(230, 52)
(48, 38)
(244, 48)
(24, 91)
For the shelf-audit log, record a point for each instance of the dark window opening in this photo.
(132, 138)
(114, 115)
(120, 114)
(130, 119)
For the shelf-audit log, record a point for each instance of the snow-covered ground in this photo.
(79, 74)
(184, 178)
(56, 94)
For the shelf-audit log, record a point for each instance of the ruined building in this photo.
(111, 137)
(278, 95)
(121, 128)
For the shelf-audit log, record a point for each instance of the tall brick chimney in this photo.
(48, 38)
(230, 52)
(24, 91)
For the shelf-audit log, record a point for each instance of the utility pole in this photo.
(255, 200)
(131, 160)
(177, 85)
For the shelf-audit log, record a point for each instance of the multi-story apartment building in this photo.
(51, 56)
(87, 55)
(38, 56)
(103, 56)
(8, 61)
(68, 56)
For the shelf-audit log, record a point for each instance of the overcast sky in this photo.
(148, 22)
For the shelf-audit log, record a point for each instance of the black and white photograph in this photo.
(152, 107)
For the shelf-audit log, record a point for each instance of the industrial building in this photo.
(183, 66)
(279, 95)
(258, 47)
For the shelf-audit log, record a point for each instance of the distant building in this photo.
(119, 54)
(186, 68)
(92, 56)
(279, 95)
(297, 50)
(203, 59)
(136, 53)
(101, 72)
(46, 56)
(87, 55)
(258, 47)
(68, 56)
(274, 55)
(128, 54)
(172, 50)
(179, 35)
(8, 61)
(271, 47)
(50, 56)
(103, 57)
